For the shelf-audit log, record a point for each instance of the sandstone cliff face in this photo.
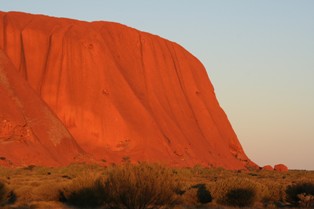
(29, 131)
(121, 92)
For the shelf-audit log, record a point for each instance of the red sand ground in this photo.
(118, 91)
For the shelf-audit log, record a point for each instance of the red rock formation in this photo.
(281, 168)
(267, 168)
(30, 133)
(121, 92)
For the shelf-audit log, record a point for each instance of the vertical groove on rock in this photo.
(23, 66)
(61, 68)
(142, 63)
(4, 35)
(45, 69)
(177, 70)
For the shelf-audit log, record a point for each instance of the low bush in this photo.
(2, 192)
(141, 186)
(231, 188)
(6, 196)
(301, 194)
(241, 197)
(203, 195)
(86, 191)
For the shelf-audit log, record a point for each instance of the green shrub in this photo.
(295, 192)
(2, 192)
(86, 191)
(203, 195)
(224, 188)
(141, 186)
(241, 197)
(6, 196)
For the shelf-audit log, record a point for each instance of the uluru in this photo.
(72, 90)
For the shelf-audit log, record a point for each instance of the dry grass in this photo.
(39, 187)
(223, 187)
(141, 186)
(85, 191)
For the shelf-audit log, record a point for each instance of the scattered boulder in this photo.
(267, 168)
(281, 168)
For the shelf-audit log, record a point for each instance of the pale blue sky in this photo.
(259, 55)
